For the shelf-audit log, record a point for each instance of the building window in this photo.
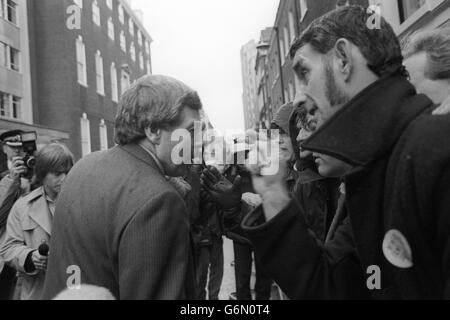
(123, 43)
(16, 108)
(103, 135)
(99, 72)
(114, 84)
(408, 7)
(10, 106)
(286, 40)
(133, 51)
(10, 11)
(96, 13)
(4, 105)
(147, 47)
(282, 50)
(291, 26)
(79, 3)
(141, 60)
(131, 27)
(303, 9)
(121, 14)
(3, 55)
(149, 69)
(111, 28)
(85, 136)
(140, 38)
(81, 61)
(287, 97)
(14, 59)
(9, 57)
(109, 3)
(125, 81)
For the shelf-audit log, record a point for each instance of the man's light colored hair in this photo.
(154, 102)
(436, 44)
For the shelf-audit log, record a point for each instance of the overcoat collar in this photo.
(368, 127)
(138, 152)
(39, 211)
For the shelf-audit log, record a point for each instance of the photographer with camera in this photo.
(15, 182)
(29, 224)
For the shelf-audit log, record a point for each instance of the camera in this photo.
(29, 147)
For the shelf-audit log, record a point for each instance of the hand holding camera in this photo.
(18, 168)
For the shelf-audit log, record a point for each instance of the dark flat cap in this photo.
(12, 138)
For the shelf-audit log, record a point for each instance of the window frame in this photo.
(114, 83)
(121, 13)
(6, 12)
(111, 29)
(81, 50)
(128, 78)
(99, 73)
(96, 13)
(103, 135)
(123, 41)
(131, 27)
(133, 51)
(303, 9)
(85, 135)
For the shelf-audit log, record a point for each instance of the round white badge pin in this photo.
(397, 250)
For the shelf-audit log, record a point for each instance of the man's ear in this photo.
(154, 135)
(343, 53)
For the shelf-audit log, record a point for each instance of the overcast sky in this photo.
(199, 42)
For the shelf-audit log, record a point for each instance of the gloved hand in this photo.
(226, 194)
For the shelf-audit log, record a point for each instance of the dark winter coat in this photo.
(397, 203)
(124, 227)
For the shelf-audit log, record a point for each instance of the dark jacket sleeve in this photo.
(298, 264)
(9, 193)
(154, 251)
(231, 221)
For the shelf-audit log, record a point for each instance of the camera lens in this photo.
(31, 163)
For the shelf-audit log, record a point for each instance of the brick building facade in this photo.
(79, 71)
(410, 16)
(292, 17)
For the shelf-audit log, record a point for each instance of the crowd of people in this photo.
(359, 207)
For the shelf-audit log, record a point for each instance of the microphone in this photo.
(44, 249)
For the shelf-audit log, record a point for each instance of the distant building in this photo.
(264, 99)
(249, 95)
(16, 110)
(277, 82)
(78, 74)
(410, 16)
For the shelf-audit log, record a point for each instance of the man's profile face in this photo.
(12, 152)
(307, 126)
(317, 80)
(323, 98)
(436, 90)
(286, 149)
(164, 151)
